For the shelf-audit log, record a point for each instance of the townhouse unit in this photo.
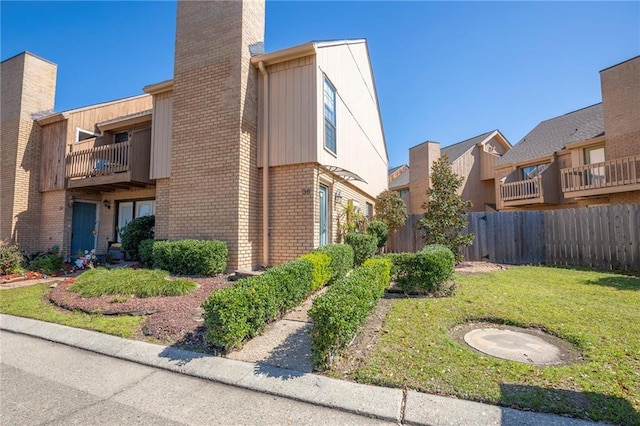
(472, 159)
(586, 157)
(260, 150)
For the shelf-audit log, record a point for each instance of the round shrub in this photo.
(136, 231)
(364, 246)
(428, 270)
(10, 258)
(190, 257)
(380, 230)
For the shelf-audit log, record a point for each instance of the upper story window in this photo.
(82, 134)
(121, 137)
(594, 154)
(534, 171)
(329, 116)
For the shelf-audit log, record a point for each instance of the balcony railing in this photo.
(599, 178)
(101, 161)
(521, 190)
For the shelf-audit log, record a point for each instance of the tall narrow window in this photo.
(329, 116)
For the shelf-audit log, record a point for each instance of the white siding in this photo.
(161, 135)
(291, 112)
(360, 140)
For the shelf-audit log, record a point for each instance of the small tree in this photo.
(445, 216)
(391, 209)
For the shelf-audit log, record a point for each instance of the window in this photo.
(329, 116)
(370, 210)
(82, 135)
(121, 137)
(403, 192)
(531, 172)
(594, 154)
(128, 210)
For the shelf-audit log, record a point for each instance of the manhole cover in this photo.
(514, 345)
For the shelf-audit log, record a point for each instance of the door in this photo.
(125, 215)
(83, 227)
(324, 214)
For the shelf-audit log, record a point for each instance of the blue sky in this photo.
(445, 71)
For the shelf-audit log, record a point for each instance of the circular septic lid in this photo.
(514, 345)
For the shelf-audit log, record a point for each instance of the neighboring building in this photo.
(472, 159)
(260, 151)
(583, 158)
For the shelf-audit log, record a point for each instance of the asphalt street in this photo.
(42, 382)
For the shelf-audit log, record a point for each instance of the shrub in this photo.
(321, 269)
(190, 257)
(145, 251)
(380, 230)
(48, 262)
(136, 231)
(347, 304)
(10, 258)
(427, 270)
(235, 314)
(364, 246)
(341, 259)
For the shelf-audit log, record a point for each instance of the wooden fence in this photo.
(605, 237)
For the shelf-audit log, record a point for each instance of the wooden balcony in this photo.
(619, 175)
(542, 189)
(110, 167)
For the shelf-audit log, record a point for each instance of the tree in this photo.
(391, 209)
(445, 210)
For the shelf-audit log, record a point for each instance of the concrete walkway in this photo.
(383, 403)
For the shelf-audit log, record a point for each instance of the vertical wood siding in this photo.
(291, 113)
(54, 145)
(605, 237)
(360, 140)
(161, 135)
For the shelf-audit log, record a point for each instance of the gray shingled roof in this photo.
(393, 169)
(456, 150)
(400, 181)
(552, 135)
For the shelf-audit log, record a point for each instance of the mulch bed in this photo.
(172, 318)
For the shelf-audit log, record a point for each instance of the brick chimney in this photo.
(214, 185)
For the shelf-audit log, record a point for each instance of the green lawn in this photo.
(28, 302)
(598, 312)
(127, 282)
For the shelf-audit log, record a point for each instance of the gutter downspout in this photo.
(265, 164)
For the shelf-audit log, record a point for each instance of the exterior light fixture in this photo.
(337, 197)
(106, 203)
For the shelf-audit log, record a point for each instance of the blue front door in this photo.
(324, 213)
(82, 227)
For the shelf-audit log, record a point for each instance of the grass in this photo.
(126, 282)
(599, 313)
(28, 302)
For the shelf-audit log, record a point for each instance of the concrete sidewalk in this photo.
(405, 407)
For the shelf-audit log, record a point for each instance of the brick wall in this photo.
(213, 189)
(420, 159)
(28, 86)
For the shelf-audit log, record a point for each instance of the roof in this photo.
(63, 115)
(393, 169)
(456, 150)
(401, 181)
(552, 135)
(300, 50)
(126, 120)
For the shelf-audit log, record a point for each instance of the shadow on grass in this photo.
(620, 282)
(290, 359)
(561, 401)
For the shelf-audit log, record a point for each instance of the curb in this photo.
(371, 401)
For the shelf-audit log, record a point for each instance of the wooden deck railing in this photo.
(521, 190)
(99, 161)
(612, 173)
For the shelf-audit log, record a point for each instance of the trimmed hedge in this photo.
(341, 259)
(190, 257)
(322, 272)
(235, 314)
(145, 251)
(380, 230)
(364, 246)
(428, 270)
(347, 304)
